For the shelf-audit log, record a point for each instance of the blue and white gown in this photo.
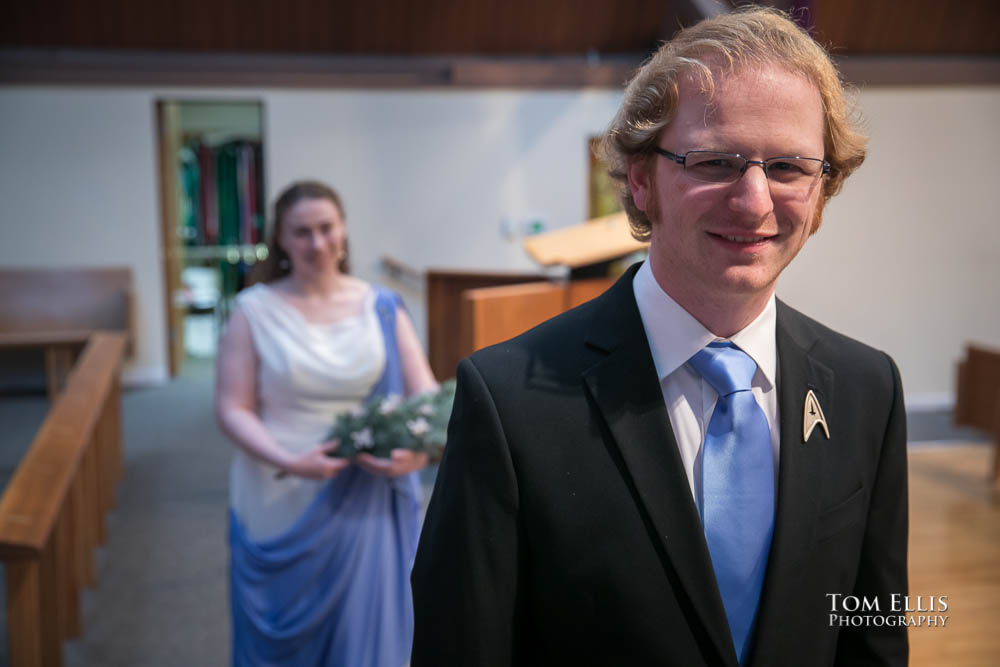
(319, 570)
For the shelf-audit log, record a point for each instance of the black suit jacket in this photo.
(562, 529)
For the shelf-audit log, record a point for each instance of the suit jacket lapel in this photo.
(626, 390)
(798, 475)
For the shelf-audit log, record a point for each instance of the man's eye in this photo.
(784, 166)
(715, 164)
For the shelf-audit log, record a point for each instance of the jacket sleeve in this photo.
(882, 569)
(466, 569)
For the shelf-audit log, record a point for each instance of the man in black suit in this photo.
(593, 506)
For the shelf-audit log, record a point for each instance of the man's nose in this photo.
(751, 194)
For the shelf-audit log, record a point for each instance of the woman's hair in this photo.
(277, 263)
(725, 44)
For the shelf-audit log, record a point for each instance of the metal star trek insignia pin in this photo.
(813, 414)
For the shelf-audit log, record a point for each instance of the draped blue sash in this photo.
(334, 589)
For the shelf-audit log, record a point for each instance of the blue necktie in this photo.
(737, 486)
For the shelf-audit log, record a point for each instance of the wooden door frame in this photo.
(167, 147)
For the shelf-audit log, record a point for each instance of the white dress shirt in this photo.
(674, 336)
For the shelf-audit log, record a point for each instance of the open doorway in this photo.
(213, 215)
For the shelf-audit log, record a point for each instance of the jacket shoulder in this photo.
(836, 349)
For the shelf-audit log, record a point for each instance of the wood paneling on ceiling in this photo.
(390, 27)
(392, 43)
(908, 27)
(481, 27)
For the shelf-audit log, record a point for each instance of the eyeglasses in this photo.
(712, 167)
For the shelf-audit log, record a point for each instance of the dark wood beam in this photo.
(62, 67)
(39, 66)
(920, 70)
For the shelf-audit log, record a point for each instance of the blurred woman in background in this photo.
(321, 547)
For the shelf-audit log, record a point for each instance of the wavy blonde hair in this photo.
(748, 37)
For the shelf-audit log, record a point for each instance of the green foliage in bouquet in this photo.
(419, 423)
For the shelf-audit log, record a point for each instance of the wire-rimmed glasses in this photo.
(793, 172)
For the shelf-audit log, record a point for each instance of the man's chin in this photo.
(746, 281)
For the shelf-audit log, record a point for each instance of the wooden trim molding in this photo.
(152, 68)
(68, 66)
(920, 70)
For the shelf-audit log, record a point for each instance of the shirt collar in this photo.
(674, 335)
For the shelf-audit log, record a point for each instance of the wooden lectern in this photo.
(467, 311)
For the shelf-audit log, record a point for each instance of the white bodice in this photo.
(307, 373)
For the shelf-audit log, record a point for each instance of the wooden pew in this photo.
(977, 400)
(57, 310)
(493, 314)
(52, 513)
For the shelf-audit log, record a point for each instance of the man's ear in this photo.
(638, 183)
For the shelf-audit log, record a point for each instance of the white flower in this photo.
(418, 427)
(389, 405)
(357, 411)
(426, 410)
(363, 439)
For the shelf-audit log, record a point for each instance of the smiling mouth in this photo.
(742, 239)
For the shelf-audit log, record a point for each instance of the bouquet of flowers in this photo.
(419, 423)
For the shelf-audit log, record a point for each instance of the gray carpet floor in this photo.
(161, 598)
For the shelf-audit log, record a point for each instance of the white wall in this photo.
(427, 177)
(906, 259)
(78, 186)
